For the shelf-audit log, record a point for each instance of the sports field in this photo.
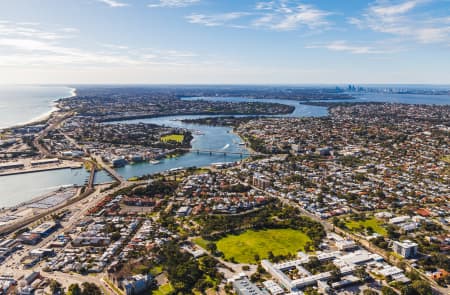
(245, 246)
(370, 222)
(173, 137)
(163, 290)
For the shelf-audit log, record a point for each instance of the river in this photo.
(19, 188)
(213, 138)
(221, 138)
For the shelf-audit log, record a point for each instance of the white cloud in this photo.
(173, 3)
(69, 30)
(402, 19)
(31, 30)
(279, 15)
(283, 16)
(115, 46)
(22, 47)
(216, 19)
(344, 46)
(433, 34)
(113, 3)
(388, 9)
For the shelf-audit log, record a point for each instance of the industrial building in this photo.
(44, 162)
(44, 229)
(6, 166)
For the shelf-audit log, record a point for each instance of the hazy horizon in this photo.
(413, 85)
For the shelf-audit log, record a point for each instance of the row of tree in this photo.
(187, 273)
(274, 215)
(75, 289)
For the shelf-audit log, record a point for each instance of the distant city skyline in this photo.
(224, 42)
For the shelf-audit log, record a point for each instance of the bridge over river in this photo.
(222, 152)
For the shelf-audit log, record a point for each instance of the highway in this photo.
(109, 169)
(54, 123)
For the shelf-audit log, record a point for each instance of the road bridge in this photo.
(108, 169)
(91, 183)
(222, 152)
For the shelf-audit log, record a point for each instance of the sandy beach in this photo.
(46, 116)
(43, 117)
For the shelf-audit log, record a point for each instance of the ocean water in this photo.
(20, 104)
(26, 103)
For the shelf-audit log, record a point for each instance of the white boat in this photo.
(154, 162)
(198, 132)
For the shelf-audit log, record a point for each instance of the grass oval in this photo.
(245, 246)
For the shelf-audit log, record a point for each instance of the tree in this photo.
(183, 270)
(115, 236)
(255, 277)
(90, 289)
(388, 291)
(392, 232)
(335, 221)
(313, 264)
(422, 287)
(361, 273)
(409, 290)
(211, 247)
(56, 287)
(309, 247)
(74, 289)
(370, 292)
(311, 291)
(261, 269)
(335, 273)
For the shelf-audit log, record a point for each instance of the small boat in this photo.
(242, 143)
(198, 132)
(154, 162)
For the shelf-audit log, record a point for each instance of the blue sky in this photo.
(228, 41)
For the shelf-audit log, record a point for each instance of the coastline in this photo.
(46, 116)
